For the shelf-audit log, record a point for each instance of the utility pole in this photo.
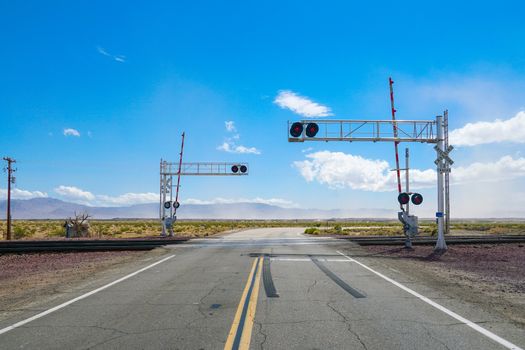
(10, 180)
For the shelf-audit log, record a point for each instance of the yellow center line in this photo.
(241, 329)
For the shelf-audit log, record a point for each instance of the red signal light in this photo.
(403, 198)
(297, 129)
(417, 199)
(312, 129)
(235, 169)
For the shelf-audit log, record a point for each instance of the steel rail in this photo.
(400, 240)
(85, 245)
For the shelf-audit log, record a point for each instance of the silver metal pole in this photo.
(440, 243)
(447, 177)
(162, 210)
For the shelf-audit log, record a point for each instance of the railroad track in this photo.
(148, 244)
(399, 240)
(85, 245)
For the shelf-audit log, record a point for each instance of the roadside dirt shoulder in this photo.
(29, 280)
(490, 276)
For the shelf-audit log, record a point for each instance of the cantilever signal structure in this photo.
(167, 206)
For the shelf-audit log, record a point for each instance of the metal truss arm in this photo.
(423, 131)
(205, 169)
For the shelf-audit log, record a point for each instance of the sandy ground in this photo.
(28, 279)
(491, 276)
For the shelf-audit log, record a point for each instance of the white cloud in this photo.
(78, 195)
(231, 147)
(230, 143)
(270, 201)
(17, 193)
(340, 170)
(118, 58)
(230, 126)
(472, 134)
(75, 193)
(71, 132)
(301, 105)
(505, 168)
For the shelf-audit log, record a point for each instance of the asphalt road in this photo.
(258, 289)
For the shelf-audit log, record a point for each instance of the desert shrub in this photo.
(20, 232)
(338, 228)
(58, 231)
(312, 231)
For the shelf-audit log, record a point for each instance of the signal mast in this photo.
(168, 207)
(416, 131)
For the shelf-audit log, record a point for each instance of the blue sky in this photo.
(128, 79)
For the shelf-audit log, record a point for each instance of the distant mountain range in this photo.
(50, 208)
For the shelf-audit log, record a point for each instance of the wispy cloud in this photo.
(341, 170)
(231, 147)
(71, 132)
(301, 105)
(472, 134)
(230, 126)
(118, 58)
(230, 144)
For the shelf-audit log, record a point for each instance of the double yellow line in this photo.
(241, 329)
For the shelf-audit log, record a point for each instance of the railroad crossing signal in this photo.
(403, 198)
(297, 128)
(169, 170)
(312, 129)
(236, 168)
(420, 131)
(416, 198)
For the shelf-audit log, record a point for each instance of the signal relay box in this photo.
(410, 223)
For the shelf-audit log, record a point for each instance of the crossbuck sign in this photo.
(443, 161)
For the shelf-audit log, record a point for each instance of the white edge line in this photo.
(461, 319)
(83, 296)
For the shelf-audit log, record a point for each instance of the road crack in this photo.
(349, 325)
(264, 335)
